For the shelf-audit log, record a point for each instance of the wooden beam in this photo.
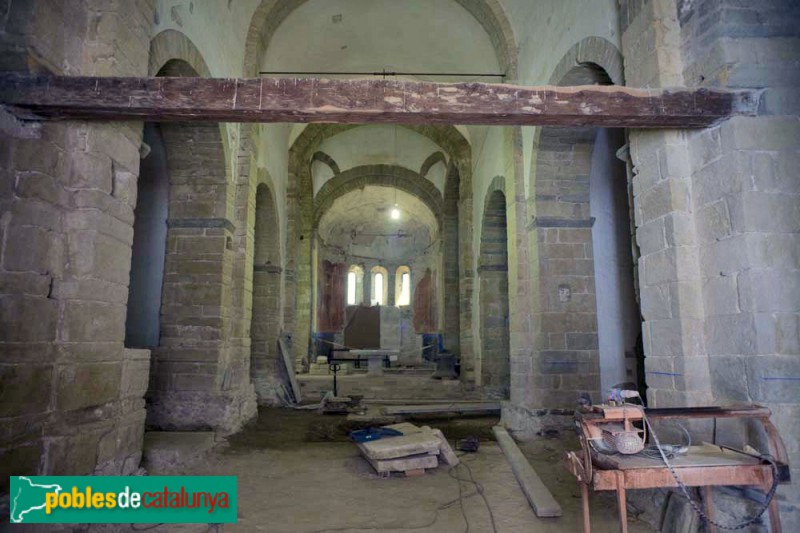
(367, 101)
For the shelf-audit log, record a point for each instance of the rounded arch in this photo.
(595, 54)
(498, 184)
(578, 188)
(172, 53)
(447, 137)
(436, 157)
(324, 158)
(169, 45)
(270, 14)
(266, 248)
(380, 175)
(591, 61)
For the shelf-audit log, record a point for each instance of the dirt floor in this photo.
(298, 473)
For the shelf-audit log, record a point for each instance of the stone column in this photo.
(197, 375)
(72, 400)
(676, 364)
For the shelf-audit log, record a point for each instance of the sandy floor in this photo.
(298, 474)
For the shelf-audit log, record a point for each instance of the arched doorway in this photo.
(590, 322)
(494, 309)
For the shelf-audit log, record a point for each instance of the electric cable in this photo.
(696, 507)
(453, 473)
(664, 450)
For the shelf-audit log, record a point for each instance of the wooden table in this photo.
(703, 466)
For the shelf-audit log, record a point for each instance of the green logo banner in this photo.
(123, 499)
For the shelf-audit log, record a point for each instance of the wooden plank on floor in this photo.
(286, 357)
(441, 408)
(543, 503)
(358, 101)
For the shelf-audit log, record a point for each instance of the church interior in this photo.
(571, 204)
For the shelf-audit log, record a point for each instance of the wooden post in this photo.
(587, 521)
(708, 498)
(621, 503)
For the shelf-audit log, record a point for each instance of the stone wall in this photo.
(72, 399)
(717, 217)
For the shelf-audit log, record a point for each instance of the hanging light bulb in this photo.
(395, 212)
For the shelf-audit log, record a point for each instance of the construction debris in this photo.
(414, 451)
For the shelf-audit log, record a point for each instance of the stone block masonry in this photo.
(716, 213)
(72, 399)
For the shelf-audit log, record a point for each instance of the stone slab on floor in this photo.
(406, 428)
(404, 464)
(165, 451)
(394, 447)
(445, 451)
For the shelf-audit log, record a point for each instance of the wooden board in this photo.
(538, 495)
(707, 455)
(361, 101)
(460, 407)
(363, 327)
(691, 476)
(286, 357)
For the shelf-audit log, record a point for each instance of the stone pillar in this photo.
(676, 364)
(199, 380)
(303, 288)
(72, 400)
(466, 272)
(717, 217)
(451, 261)
(567, 360)
(746, 198)
(522, 341)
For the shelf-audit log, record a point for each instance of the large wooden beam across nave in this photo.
(365, 101)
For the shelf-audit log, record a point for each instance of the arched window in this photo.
(355, 285)
(380, 285)
(402, 286)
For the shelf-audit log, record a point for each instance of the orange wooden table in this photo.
(702, 466)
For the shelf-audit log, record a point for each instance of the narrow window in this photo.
(377, 289)
(355, 285)
(402, 286)
(351, 288)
